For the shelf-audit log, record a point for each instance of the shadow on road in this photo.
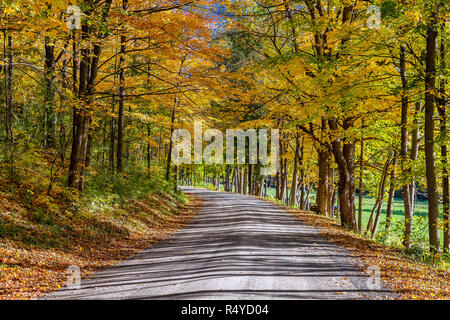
(238, 247)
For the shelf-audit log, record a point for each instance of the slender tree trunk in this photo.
(50, 116)
(175, 178)
(9, 105)
(169, 153)
(430, 164)
(250, 180)
(286, 193)
(293, 195)
(308, 190)
(245, 183)
(409, 210)
(283, 178)
(9, 90)
(360, 186)
(241, 180)
(112, 140)
(120, 123)
(322, 189)
(414, 154)
(235, 180)
(333, 201)
(279, 174)
(302, 178)
(149, 157)
(75, 117)
(322, 198)
(227, 186)
(443, 122)
(330, 191)
(391, 193)
(381, 195)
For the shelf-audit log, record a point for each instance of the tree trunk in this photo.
(430, 164)
(9, 105)
(381, 195)
(443, 122)
(330, 192)
(322, 189)
(322, 198)
(391, 193)
(82, 115)
(302, 178)
(245, 182)
(120, 123)
(279, 174)
(333, 201)
(50, 115)
(360, 186)
(414, 154)
(149, 157)
(250, 180)
(175, 179)
(235, 179)
(344, 154)
(169, 153)
(112, 140)
(293, 195)
(9, 90)
(409, 210)
(227, 178)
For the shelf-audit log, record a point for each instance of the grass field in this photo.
(420, 225)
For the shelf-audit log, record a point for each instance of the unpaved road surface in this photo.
(238, 247)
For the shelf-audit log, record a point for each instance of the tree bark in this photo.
(293, 195)
(9, 90)
(169, 153)
(245, 182)
(381, 195)
(443, 128)
(120, 123)
(344, 154)
(50, 116)
(323, 196)
(360, 186)
(227, 186)
(409, 210)
(90, 56)
(391, 192)
(430, 163)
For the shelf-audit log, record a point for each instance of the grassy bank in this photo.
(42, 235)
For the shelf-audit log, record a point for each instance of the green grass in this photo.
(420, 225)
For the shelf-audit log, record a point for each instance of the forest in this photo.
(92, 92)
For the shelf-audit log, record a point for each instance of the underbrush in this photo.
(44, 230)
(31, 215)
